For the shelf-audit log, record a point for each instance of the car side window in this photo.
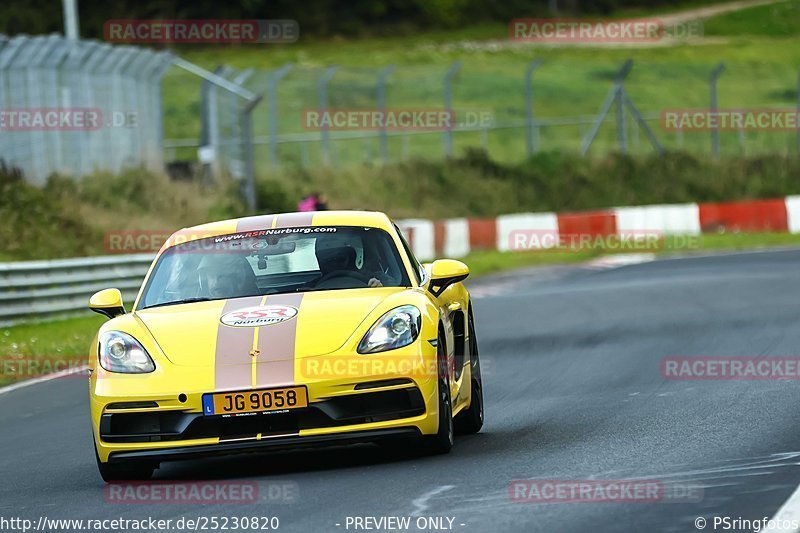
(415, 265)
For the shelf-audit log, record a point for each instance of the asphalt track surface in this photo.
(573, 391)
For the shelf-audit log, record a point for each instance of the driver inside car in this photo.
(340, 257)
(226, 275)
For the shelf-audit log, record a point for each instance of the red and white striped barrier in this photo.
(459, 236)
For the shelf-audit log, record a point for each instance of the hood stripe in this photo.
(293, 220)
(274, 367)
(234, 367)
(255, 223)
(232, 356)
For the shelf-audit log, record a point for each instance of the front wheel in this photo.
(444, 438)
(471, 419)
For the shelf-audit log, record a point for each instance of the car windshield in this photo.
(275, 261)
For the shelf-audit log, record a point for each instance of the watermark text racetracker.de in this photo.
(620, 241)
(217, 31)
(201, 492)
(699, 119)
(427, 119)
(572, 30)
(21, 368)
(603, 491)
(198, 241)
(65, 119)
(339, 366)
(730, 368)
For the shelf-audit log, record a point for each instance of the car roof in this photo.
(370, 219)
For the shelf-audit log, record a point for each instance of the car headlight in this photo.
(395, 329)
(119, 352)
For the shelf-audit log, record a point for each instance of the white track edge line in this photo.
(789, 512)
(42, 379)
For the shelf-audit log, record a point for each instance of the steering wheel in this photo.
(328, 281)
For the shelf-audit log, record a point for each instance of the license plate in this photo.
(258, 401)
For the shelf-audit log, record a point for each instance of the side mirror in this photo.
(107, 302)
(445, 272)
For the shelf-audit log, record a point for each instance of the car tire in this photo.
(111, 472)
(470, 421)
(442, 442)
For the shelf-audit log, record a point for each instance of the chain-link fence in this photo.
(244, 121)
(74, 106)
(510, 107)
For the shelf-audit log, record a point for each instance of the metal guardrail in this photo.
(40, 289)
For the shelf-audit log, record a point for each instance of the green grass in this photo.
(774, 20)
(665, 10)
(477, 186)
(486, 262)
(740, 241)
(55, 345)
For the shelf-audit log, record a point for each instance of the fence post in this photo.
(209, 128)
(94, 90)
(380, 97)
(156, 138)
(230, 130)
(147, 108)
(8, 50)
(322, 104)
(615, 95)
(252, 99)
(272, 109)
(531, 130)
(448, 105)
(641, 122)
(249, 157)
(622, 134)
(715, 128)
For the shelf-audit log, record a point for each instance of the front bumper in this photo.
(262, 445)
(161, 427)
(129, 426)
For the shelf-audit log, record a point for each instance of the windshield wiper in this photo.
(177, 302)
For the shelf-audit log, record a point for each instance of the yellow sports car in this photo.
(288, 330)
